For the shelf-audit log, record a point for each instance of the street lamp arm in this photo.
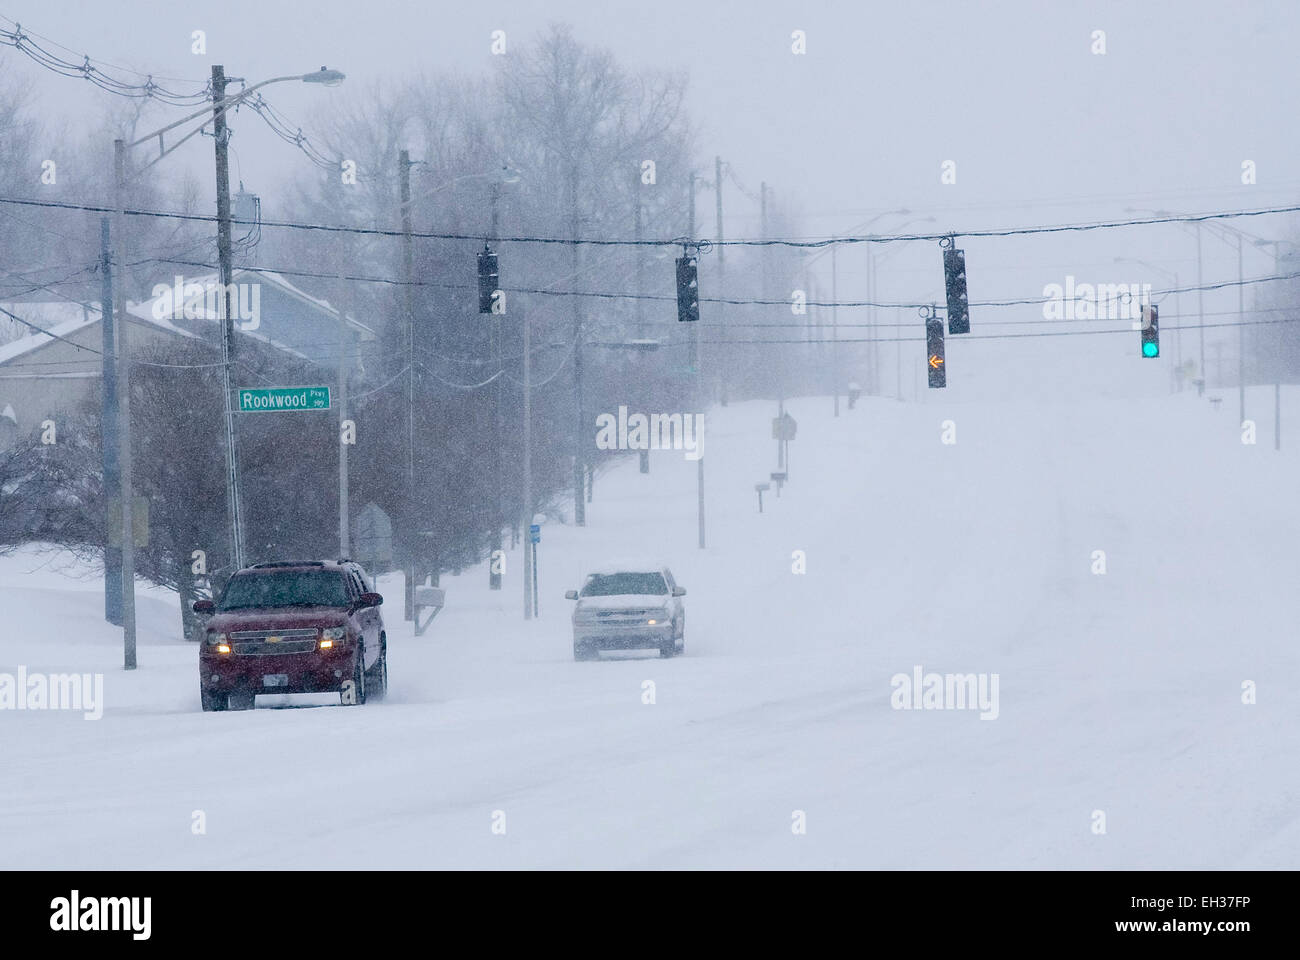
(208, 111)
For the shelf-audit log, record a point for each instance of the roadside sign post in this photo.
(784, 427)
(534, 538)
(427, 598)
(139, 522)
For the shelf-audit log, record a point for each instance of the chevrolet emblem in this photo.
(273, 639)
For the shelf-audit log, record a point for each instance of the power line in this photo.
(733, 301)
(688, 241)
(28, 43)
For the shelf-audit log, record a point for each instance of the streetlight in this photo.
(832, 249)
(1200, 284)
(220, 105)
(1277, 362)
(1223, 231)
(898, 345)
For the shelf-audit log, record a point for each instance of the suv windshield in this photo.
(285, 588)
(613, 584)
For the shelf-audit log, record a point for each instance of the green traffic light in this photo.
(1150, 349)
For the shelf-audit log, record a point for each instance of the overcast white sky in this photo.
(1042, 129)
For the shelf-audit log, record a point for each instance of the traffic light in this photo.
(934, 365)
(488, 279)
(1151, 330)
(688, 288)
(954, 282)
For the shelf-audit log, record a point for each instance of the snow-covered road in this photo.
(1118, 692)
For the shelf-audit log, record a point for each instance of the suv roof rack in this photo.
(289, 563)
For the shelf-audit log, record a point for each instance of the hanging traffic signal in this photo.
(688, 288)
(934, 366)
(1150, 331)
(488, 279)
(954, 282)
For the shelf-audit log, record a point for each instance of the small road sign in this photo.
(282, 399)
(139, 522)
(534, 533)
(784, 427)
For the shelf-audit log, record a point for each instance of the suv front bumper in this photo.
(318, 671)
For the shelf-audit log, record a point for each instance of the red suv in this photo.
(293, 627)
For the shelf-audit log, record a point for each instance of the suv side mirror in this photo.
(679, 591)
(370, 600)
(204, 606)
(570, 594)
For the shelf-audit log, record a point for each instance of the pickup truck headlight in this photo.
(214, 637)
(331, 636)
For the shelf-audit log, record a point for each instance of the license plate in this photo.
(275, 680)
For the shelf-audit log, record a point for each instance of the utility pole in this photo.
(636, 252)
(722, 352)
(345, 513)
(780, 443)
(697, 363)
(221, 137)
(876, 389)
(1241, 337)
(124, 412)
(1178, 332)
(835, 333)
(1277, 413)
(527, 518)
(644, 455)
(494, 336)
(579, 448)
(764, 262)
(1200, 308)
(345, 547)
(408, 274)
(108, 429)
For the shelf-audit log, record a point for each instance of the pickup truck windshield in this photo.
(285, 588)
(615, 584)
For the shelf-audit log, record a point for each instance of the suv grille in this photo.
(274, 649)
(289, 641)
(621, 616)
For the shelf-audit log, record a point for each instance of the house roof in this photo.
(63, 318)
(196, 305)
(38, 314)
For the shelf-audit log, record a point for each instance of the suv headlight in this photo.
(219, 640)
(331, 636)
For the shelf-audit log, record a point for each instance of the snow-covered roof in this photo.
(196, 305)
(40, 315)
(80, 316)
